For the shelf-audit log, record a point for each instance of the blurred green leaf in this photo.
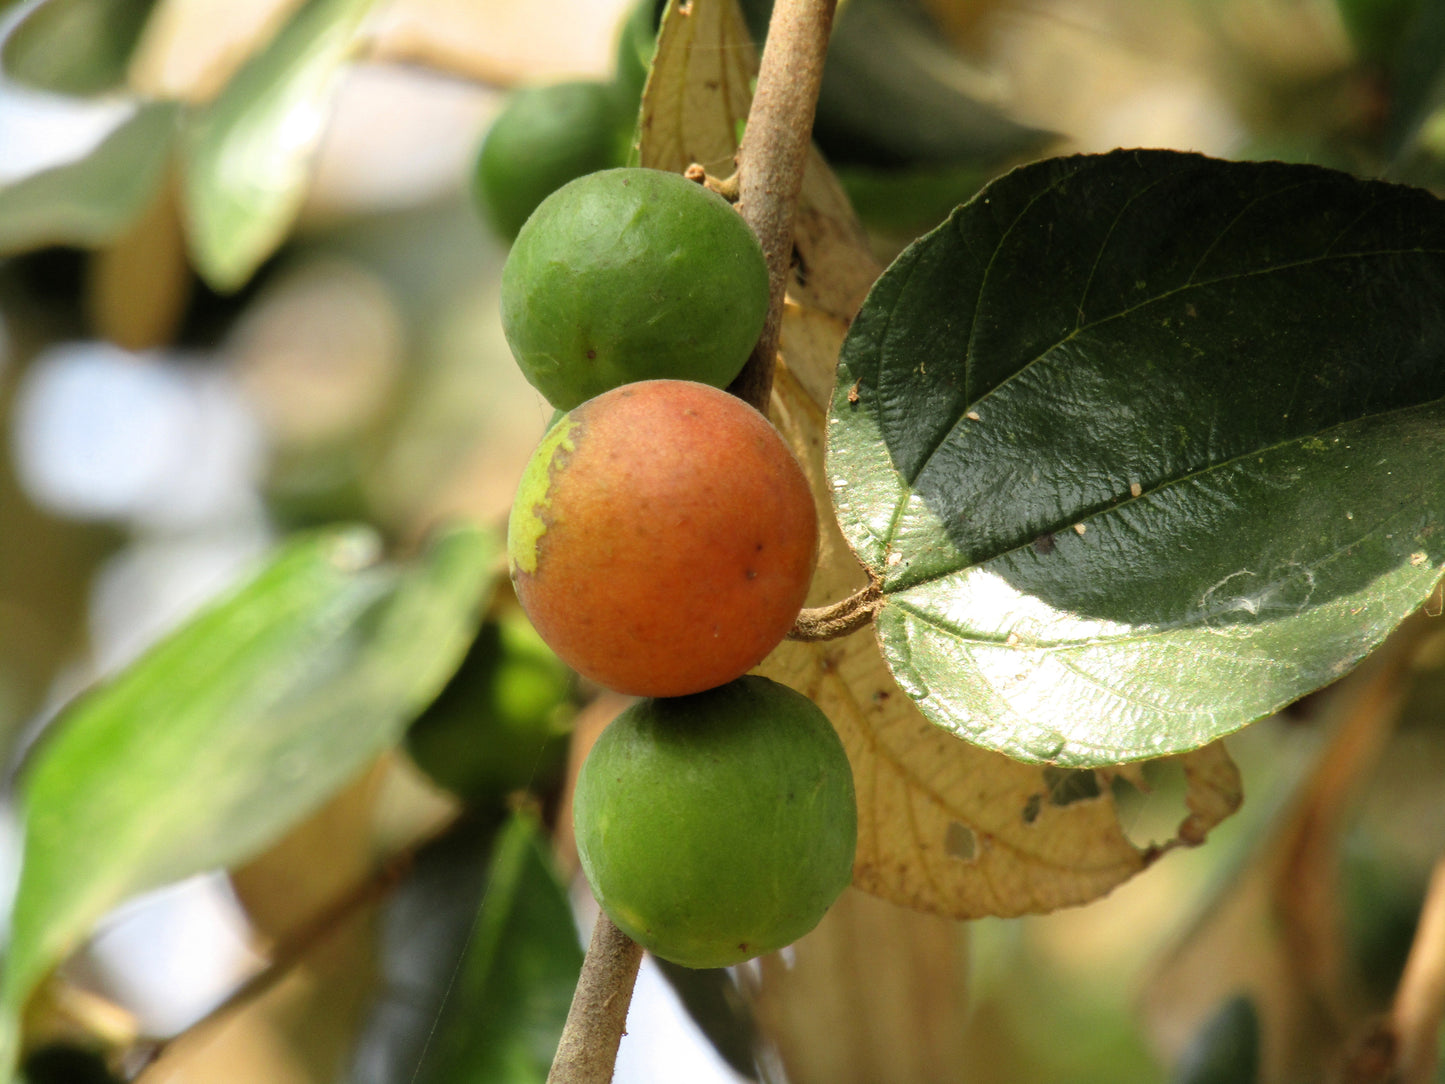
(716, 1006)
(76, 47)
(504, 1014)
(1143, 446)
(1226, 1050)
(1416, 138)
(91, 201)
(1376, 27)
(248, 155)
(896, 95)
(909, 200)
(233, 729)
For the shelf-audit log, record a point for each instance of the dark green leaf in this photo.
(716, 1006)
(91, 201)
(426, 925)
(894, 94)
(1143, 446)
(909, 200)
(233, 729)
(248, 154)
(1226, 1050)
(1416, 65)
(504, 1015)
(74, 46)
(1376, 27)
(1416, 136)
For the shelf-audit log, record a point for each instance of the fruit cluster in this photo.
(662, 542)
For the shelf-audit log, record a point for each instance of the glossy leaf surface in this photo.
(1143, 446)
(234, 728)
(248, 156)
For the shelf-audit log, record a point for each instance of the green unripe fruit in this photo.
(500, 724)
(628, 275)
(544, 137)
(719, 826)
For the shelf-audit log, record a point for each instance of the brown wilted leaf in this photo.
(944, 826)
(694, 110)
(874, 993)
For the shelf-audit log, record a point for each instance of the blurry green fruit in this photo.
(500, 724)
(719, 826)
(543, 138)
(628, 275)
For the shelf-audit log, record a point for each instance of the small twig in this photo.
(1419, 1005)
(841, 618)
(597, 1019)
(294, 948)
(1402, 1047)
(771, 161)
(726, 187)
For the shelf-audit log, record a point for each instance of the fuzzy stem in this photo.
(595, 1024)
(840, 619)
(772, 158)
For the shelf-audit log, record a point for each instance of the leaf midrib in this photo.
(908, 483)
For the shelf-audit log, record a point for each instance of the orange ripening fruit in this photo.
(663, 538)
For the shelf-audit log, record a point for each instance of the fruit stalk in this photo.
(771, 160)
(587, 1053)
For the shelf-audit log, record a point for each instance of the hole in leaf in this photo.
(1069, 785)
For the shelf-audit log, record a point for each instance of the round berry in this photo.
(663, 538)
